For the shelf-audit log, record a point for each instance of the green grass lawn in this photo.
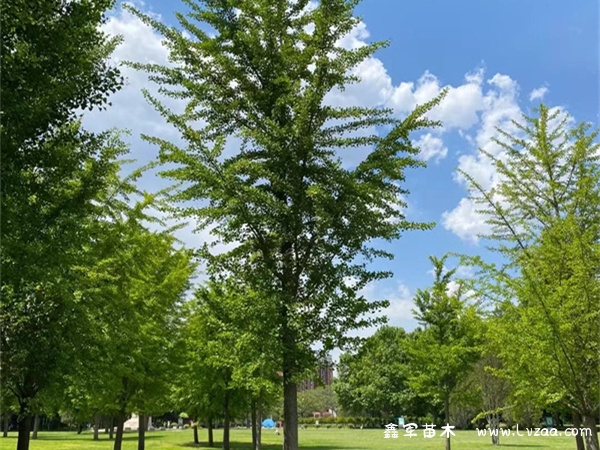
(321, 439)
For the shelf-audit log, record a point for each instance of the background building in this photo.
(323, 376)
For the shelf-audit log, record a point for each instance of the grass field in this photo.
(312, 439)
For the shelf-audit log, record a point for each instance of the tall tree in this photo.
(45, 242)
(446, 349)
(54, 61)
(304, 221)
(545, 218)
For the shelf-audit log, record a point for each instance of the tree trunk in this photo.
(578, 437)
(96, 426)
(111, 429)
(36, 427)
(141, 432)
(258, 429)
(447, 416)
(253, 424)
(211, 441)
(196, 441)
(7, 418)
(556, 419)
(290, 413)
(226, 423)
(591, 439)
(24, 424)
(494, 424)
(119, 436)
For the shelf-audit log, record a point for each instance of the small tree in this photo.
(495, 391)
(224, 367)
(383, 387)
(446, 349)
(137, 284)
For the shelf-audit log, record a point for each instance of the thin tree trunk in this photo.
(258, 429)
(141, 432)
(226, 423)
(196, 441)
(253, 424)
(111, 429)
(24, 424)
(290, 413)
(288, 338)
(7, 418)
(447, 416)
(36, 427)
(578, 437)
(494, 424)
(591, 439)
(211, 441)
(119, 436)
(96, 426)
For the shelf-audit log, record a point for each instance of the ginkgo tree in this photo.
(230, 364)
(304, 219)
(544, 214)
(55, 63)
(141, 283)
(446, 349)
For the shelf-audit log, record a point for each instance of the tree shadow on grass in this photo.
(131, 436)
(248, 446)
(134, 437)
(523, 445)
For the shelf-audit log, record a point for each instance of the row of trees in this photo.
(94, 311)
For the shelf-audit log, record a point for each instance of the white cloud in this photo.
(401, 305)
(465, 222)
(501, 108)
(356, 38)
(431, 147)
(465, 272)
(452, 288)
(399, 312)
(538, 93)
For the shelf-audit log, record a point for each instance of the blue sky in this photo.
(499, 59)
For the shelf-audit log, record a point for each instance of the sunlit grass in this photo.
(313, 439)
